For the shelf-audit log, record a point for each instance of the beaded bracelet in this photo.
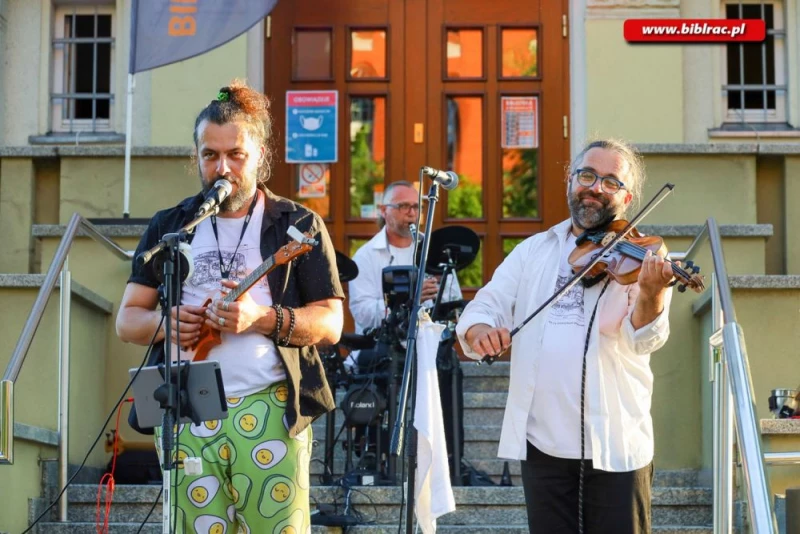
(276, 336)
(285, 341)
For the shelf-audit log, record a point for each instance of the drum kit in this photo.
(367, 405)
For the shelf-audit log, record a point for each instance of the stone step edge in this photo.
(391, 495)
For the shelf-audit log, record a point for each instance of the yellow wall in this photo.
(678, 367)
(772, 355)
(782, 477)
(93, 186)
(771, 210)
(792, 210)
(20, 72)
(723, 187)
(21, 481)
(181, 90)
(93, 266)
(16, 214)
(36, 390)
(633, 91)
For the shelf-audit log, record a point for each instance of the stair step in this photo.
(155, 528)
(476, 506)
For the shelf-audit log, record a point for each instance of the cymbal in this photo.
(348, 270)
(457, 243)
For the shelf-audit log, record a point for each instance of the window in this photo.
(754, 74)
(83, 69)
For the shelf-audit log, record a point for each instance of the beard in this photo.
(238, 198)
(401, 229)
(591, 216)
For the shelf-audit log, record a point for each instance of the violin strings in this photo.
(626, 247)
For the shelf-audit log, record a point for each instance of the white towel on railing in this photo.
(432, 489)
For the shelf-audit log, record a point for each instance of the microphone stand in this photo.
(169, 394)
(409, 370)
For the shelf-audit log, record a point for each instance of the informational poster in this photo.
(519, 127)
(313, 180)
(311, 126)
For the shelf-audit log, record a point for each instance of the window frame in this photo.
(780, 114)
(60, 122)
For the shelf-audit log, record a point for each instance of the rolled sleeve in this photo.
(651, 336)
(466, 322)
(494, 303)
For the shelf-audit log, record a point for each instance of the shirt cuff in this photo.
(465, 322)
(649, 337)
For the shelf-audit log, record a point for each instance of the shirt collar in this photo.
(561, 229)
(381, 241)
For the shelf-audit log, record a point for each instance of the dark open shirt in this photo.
(310, 277)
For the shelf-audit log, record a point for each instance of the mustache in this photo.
(599, 198)
(210, 185)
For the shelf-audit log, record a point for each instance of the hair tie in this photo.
(224, 95)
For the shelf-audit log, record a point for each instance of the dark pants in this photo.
(613, 503)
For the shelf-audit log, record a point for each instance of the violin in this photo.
(624, 260)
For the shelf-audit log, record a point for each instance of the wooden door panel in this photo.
(416, 94)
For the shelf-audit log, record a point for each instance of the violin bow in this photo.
(655, 201)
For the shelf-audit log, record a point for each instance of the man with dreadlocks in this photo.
(256, 462)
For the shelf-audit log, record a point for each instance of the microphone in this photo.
(447, 179)
(222, 188)
(413, 229)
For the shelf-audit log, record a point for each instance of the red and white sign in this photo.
(519, 126)
(313, 180)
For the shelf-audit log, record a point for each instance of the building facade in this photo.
(503, 92)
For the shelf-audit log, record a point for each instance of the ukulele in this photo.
(209, 337)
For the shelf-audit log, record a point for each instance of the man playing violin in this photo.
(256, 462)
(578, 409)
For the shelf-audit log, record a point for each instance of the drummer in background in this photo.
(392, 245)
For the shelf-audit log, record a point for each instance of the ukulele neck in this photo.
(250, 280)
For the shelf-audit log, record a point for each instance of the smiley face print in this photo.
(203, 490)
(206, 429)
(268, 454)
(277, 494)
(233, 402)
(210, 524)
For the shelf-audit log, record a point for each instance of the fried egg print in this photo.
(202, 491)
(206, 429)
(209, 524)
(268, 454)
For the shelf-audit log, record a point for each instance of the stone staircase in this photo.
(680, 505)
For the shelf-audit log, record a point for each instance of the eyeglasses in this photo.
(608, 184)
(404, 207)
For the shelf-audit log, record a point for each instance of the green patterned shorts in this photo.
(255, 477)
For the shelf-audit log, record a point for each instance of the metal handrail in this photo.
(733, 392)
(58, 267)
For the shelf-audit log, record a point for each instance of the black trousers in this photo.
(613, 503)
